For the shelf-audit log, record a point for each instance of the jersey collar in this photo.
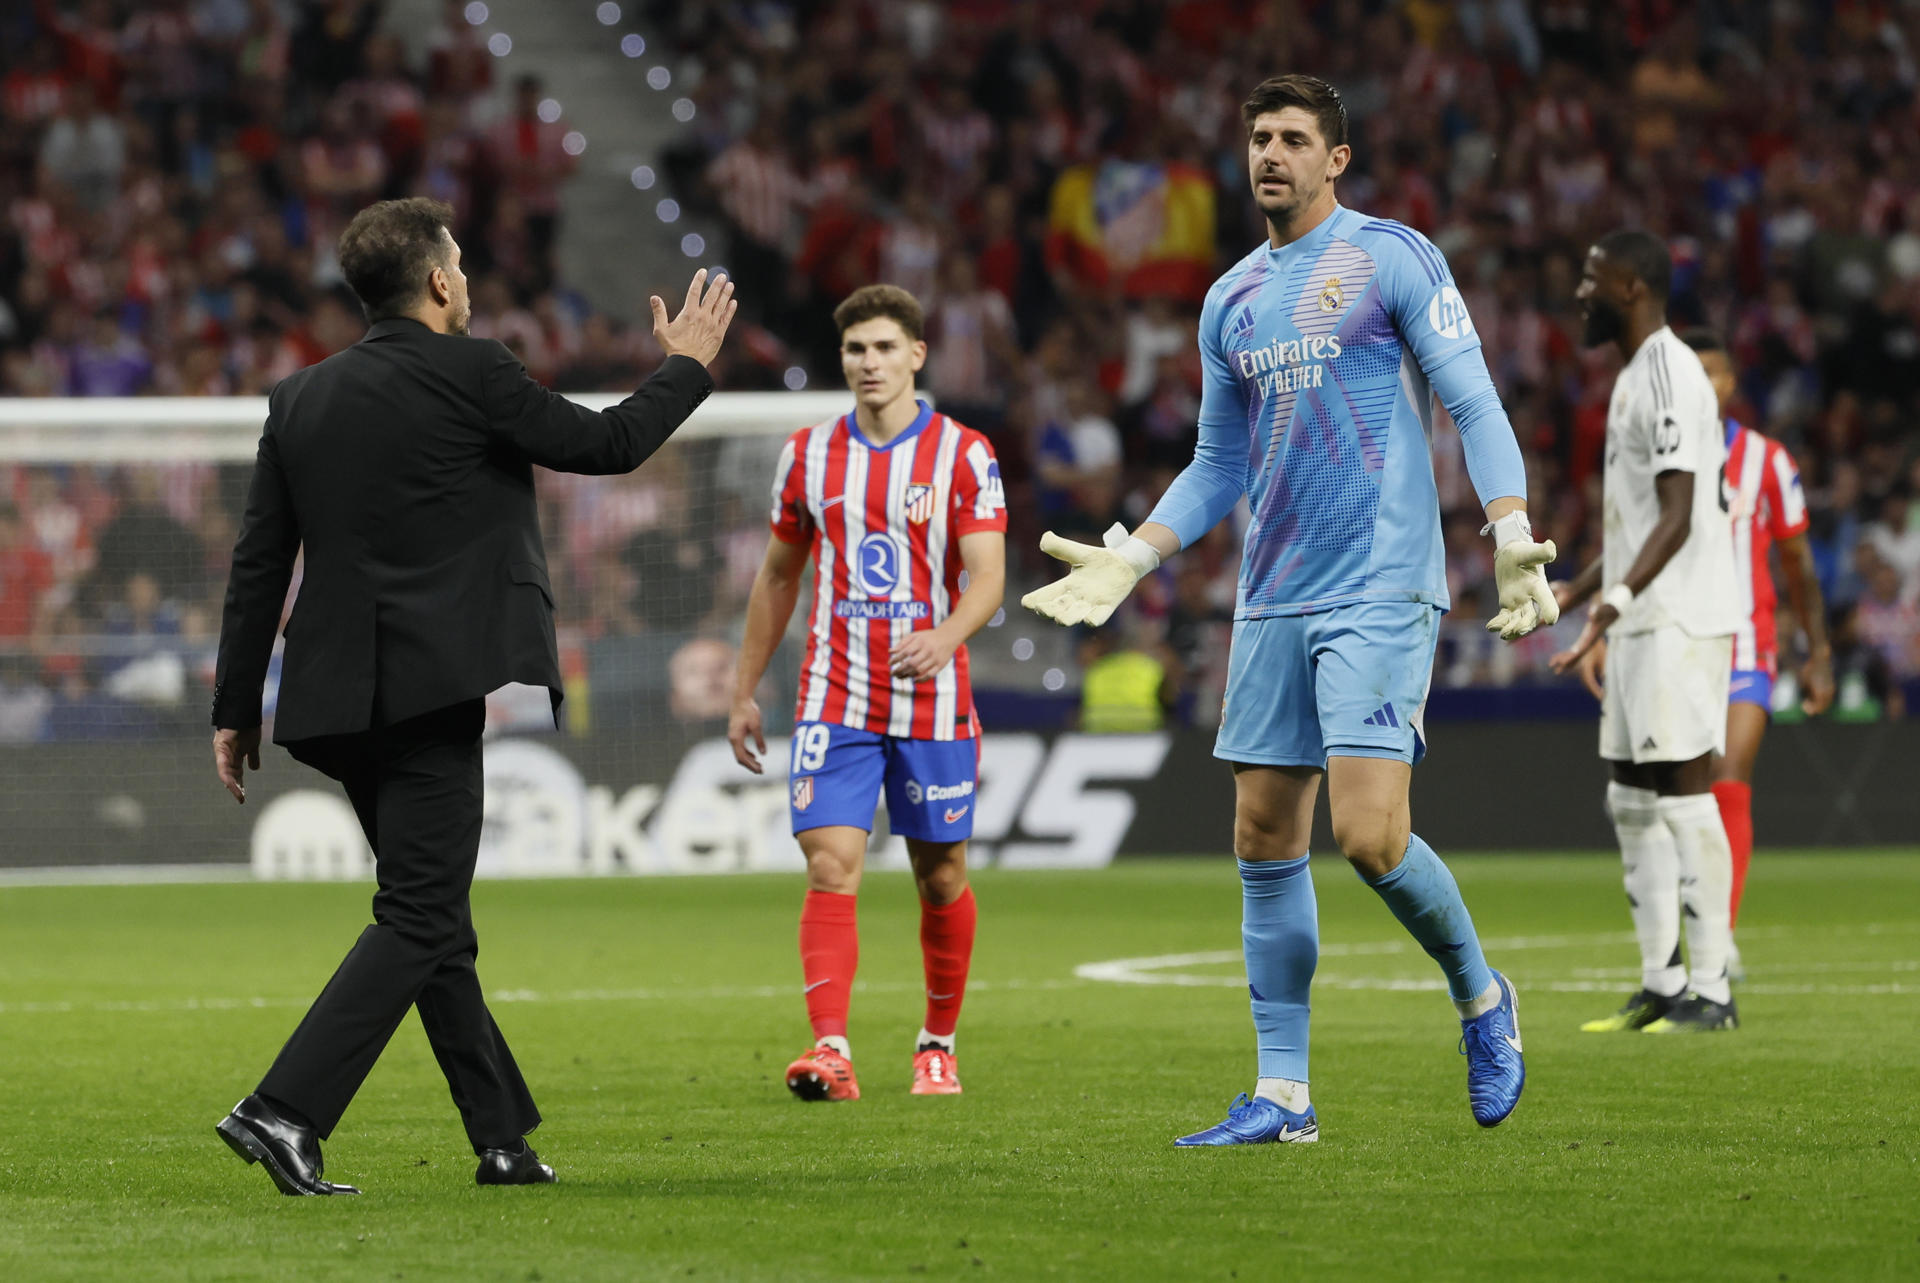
(1733, 430)
(1310, 240)
(920, 421)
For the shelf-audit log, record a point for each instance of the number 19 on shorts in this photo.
(810, 748)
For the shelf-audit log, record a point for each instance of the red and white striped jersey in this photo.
(1767, 504)
(885, 524)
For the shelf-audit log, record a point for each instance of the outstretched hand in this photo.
(702, 324)
(1098, 579)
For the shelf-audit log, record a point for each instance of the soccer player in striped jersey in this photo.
(1324, 349)
(1768, 511)
(893, 502)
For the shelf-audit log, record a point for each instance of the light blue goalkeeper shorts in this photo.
(1346, 682)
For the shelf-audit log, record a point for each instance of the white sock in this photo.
(841, 1045)
(1651, 863)
(1706, 884)
(1475, 1007)
(945, 1041)
(1284, 1092)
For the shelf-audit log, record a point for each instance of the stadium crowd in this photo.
(1058, 183)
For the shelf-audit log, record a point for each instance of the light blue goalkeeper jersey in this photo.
(1322, 361)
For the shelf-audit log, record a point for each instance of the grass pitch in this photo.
(653, 1019)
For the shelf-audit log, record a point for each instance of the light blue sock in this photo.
(1423, 895)
(1280, 931)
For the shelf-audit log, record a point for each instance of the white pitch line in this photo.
(1169, 969)
(179, 1006)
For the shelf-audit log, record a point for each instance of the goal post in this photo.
(117, 521)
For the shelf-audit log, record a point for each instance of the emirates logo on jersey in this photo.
(919, 504)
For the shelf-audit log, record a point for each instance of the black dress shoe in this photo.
(289, 1151)
(512, 1167)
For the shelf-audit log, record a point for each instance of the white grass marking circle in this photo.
(1173, 969)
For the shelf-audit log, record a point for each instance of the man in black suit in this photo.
(404, 467)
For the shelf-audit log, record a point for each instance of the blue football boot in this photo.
(1496, 1072)
(1254, 1121)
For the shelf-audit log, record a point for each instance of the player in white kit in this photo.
(1669, 613)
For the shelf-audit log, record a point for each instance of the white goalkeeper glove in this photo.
(1098, 579)
(1526, 601)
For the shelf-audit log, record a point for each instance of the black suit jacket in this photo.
(405, 466)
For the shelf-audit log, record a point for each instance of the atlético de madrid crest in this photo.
(803, 793)
(919, 504)
(1332, 297)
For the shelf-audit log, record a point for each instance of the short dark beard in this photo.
(1604, 325)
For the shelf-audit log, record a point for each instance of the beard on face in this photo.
(1604, 323)
(459, 321)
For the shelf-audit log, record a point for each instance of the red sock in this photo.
(829, 954)
(1736, 813)
(946, 944)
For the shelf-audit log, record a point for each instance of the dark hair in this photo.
(1310, 94)
(1702, 338)
(1643, 254)
(389, 249)
(872, 301)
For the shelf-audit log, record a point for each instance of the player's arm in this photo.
(1674, 490)
(1592, 666)
(1433, 321)
(1571, 592)
(923, 653)
(1804, 599)
(552, 431)
(1099, 578)
(262, 568)
(776, 589)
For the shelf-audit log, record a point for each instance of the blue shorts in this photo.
(1752, 686)
(1346, 682)
(837, 772)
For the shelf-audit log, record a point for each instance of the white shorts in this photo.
(1665, 696)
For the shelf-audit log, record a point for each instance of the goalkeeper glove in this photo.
(1098, 579)
(1526, 602)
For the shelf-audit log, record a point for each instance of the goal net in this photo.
(117, 522)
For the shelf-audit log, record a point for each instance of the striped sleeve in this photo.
(1787, 502)
(979, 500)
(1682, 412)
(791, 521)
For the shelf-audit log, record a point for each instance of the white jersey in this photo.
(1664, 418)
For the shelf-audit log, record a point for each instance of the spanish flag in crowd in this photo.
(1146, 226)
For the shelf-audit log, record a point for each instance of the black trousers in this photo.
(416, 787)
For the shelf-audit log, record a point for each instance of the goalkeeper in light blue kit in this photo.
(1324, 350)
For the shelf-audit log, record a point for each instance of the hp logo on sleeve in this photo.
(1448, 314)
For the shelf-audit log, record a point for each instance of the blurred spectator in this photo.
(84, 149)
(972, 355)
(760, 194)
(700, 681)
(26, 574)
(1126, 682)
(108, 362)
(1887, 620)
(528, 150)
(1895, 540)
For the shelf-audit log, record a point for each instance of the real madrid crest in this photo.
(1331, 295)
